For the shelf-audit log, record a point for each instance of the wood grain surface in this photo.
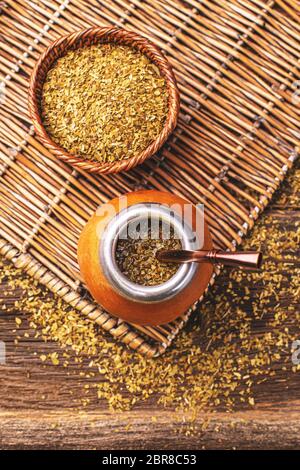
(40, 405)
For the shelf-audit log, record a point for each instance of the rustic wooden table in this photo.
(36, 411)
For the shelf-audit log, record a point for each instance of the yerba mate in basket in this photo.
(103, 99)
(133, 292)
(104, 102)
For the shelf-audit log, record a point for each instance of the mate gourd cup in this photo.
(89, 37)
(145, 305)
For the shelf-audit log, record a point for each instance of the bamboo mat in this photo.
(237, 65)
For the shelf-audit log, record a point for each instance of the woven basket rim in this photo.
(78, 39)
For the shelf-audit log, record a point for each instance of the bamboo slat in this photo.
(237, 64)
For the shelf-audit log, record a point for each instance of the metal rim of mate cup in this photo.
(120, 283)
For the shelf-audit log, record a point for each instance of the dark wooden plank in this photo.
(134, 430)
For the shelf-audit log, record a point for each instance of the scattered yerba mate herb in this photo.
(136, 258)
(232, 355)
(104, 103)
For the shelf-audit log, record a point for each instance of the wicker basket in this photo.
(88, 37)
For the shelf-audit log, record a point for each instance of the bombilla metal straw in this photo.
(243, 259)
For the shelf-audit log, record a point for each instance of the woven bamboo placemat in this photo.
(237, 65)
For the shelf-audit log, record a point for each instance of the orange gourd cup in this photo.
(144, 305)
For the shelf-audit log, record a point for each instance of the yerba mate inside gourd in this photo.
(104, 102)
(136, 257)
